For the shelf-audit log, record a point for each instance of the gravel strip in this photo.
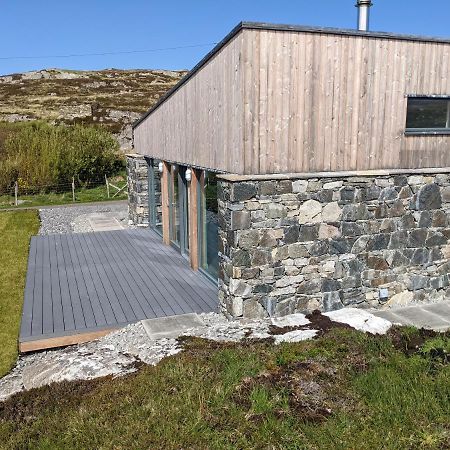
(75, 219)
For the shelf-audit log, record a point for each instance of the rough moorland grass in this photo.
(345, 390)
(39, 155)
(16, 228)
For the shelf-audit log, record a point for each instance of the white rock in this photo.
(293, 320)
(415, 179)
(310, 211)
(333, 185)
(331, 212)
(299, 186)
(237, 307)
(360, 320)
(295, 336)
(401, 299)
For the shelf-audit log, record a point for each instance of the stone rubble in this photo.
(118, 353)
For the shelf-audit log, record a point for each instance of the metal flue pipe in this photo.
(363, 14)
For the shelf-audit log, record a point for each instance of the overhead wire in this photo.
(127, 52)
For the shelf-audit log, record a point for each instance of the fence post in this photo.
(73, 189)
(107, 185)
(16, 193)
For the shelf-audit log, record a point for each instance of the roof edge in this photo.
(192, 72)
(282, 27)
(343, 31)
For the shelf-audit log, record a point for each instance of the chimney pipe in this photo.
(363, 14)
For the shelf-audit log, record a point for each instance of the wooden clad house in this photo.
(274, 102)
(277, 99)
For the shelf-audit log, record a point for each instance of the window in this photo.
(179, 208)
(428, 115)
(208, 225)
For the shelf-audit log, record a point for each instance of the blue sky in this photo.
(61, 27)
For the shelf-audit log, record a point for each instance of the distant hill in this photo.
(112, 97)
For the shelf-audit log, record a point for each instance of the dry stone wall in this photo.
(137, 176)
(294, 245)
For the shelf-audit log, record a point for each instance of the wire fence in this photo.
(20, 194)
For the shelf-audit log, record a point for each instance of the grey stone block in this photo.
(243, 191)
(240, 220)
(332, 301)
(428, 197)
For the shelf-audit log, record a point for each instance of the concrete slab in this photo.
(102, 223)
(435, 317)
(172, 326)
(442, 309)
(392, 317)
(420, 317)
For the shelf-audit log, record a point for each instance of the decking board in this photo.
(78, 285)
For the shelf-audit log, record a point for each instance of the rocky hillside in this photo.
(112, 97)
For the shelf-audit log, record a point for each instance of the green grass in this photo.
(16, 228)
(96, 194)
(345, 390)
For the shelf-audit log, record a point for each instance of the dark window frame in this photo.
(430, 131)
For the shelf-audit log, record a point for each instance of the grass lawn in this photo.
(16, 228)
(97, 194)
(344, 390)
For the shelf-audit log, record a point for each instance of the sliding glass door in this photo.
(208, 225)
(179, 208)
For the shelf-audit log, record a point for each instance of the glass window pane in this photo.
(427, 113)
(209, 226)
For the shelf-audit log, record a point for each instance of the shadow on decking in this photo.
(81, 286)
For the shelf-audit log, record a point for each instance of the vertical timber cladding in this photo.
(296, 244)
(324, 101)
(274, 100)
(200, 124)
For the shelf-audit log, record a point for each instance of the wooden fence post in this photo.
(73, 189)
(107, 185)
(16, 193)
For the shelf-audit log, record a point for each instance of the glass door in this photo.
(179, 208)
(208, 225)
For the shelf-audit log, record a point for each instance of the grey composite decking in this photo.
(88, 282)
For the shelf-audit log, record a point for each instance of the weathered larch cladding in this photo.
(275, 99)
(200, 123)
(294, 245)
(326, 102)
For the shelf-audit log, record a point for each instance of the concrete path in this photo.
(67, 205)
(434, 316)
